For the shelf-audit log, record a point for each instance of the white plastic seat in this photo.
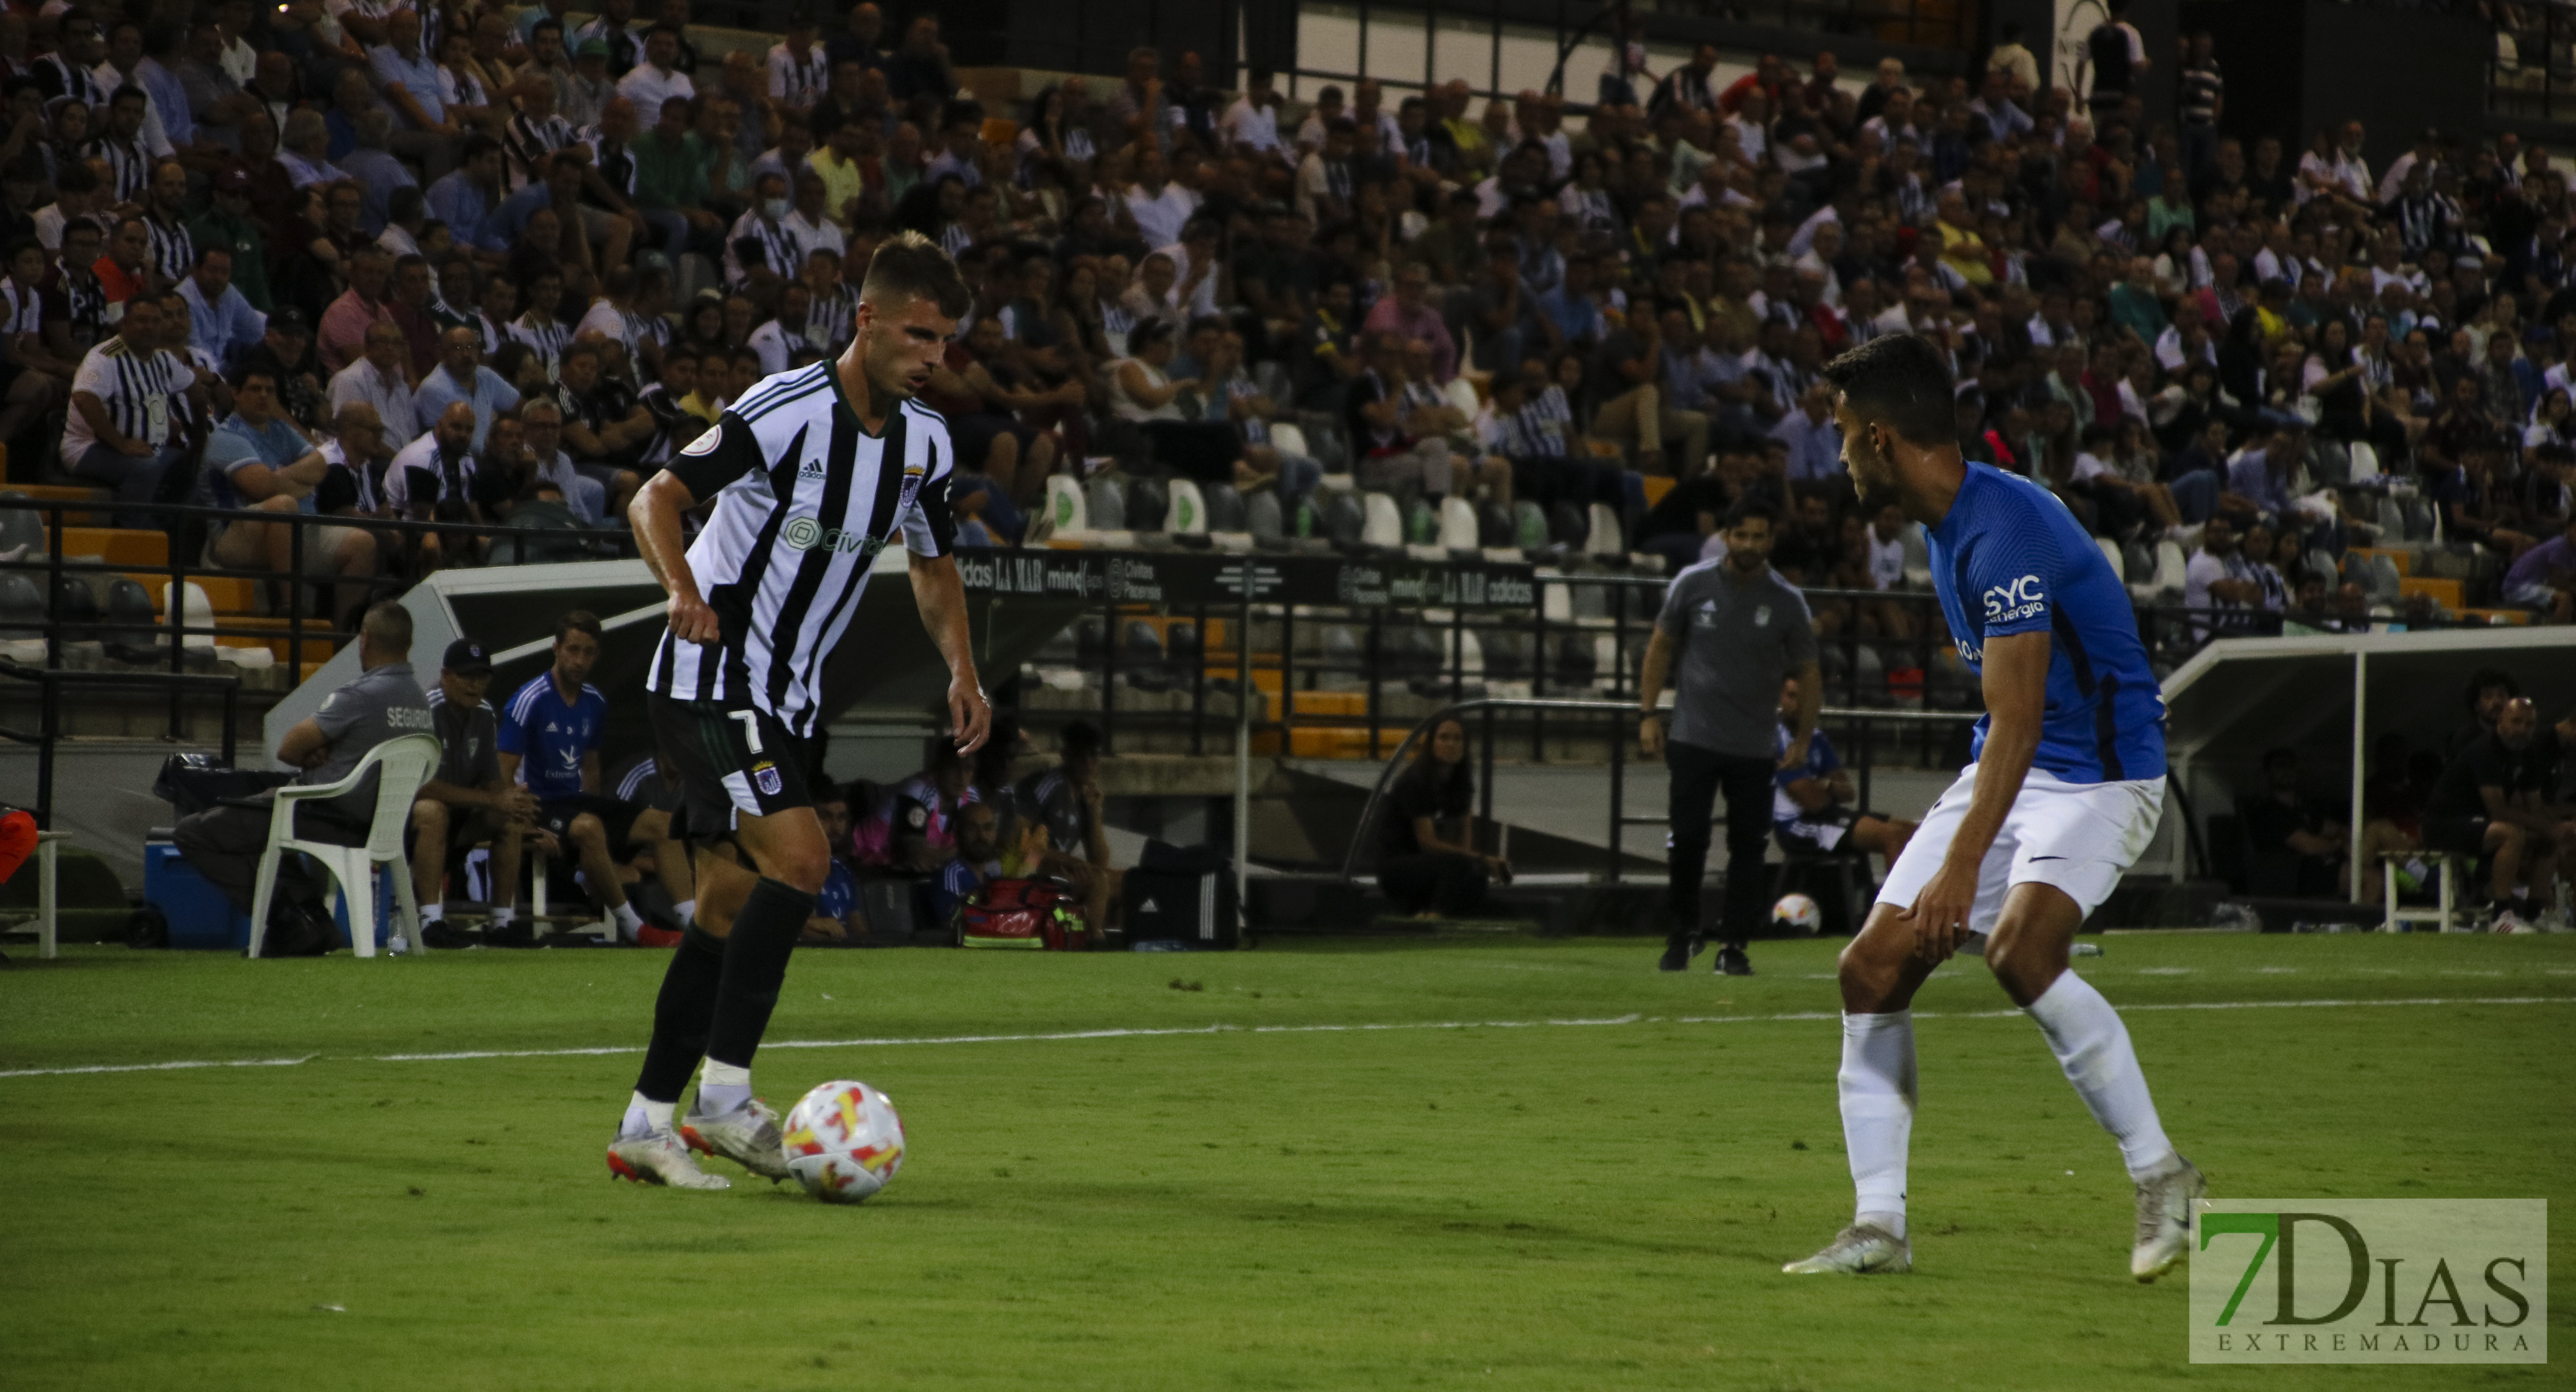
(1603, 538)
(2170, 565)
(1186, 515)
(2365, 462)
(1556, 602)
(1287, 438)
(1462, 394)
(1065, 504)
(403, 763)
(2111, 553)
(1457, 523)
(1385, 521)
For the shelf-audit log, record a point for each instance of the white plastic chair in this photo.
(1385, 524)
(1457, 523)
(1187, 514)
(403, 763)
(2111, 553)
(1603, 538)
(2365, 462)
(1065, 503)
(1287, 438)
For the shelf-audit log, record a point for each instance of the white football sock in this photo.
(644, 1116)
(688, 911)
(2093, 1047)
(1877, 1088)
(432, 913)
(504, 914)
(628, 922)
(722, 1088)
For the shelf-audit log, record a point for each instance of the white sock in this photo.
(432, 913)
(628, 924)
(688, 911)
(504, 914)
(1877, 1088)
(644, 1116)
(722, 1088)
(2093, 1047)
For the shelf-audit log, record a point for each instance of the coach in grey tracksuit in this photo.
(1738, 630)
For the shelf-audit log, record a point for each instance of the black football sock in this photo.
(681, 1015)
(755, 962)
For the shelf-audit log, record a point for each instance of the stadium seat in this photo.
(1385, 524)
(1262, 517)
(399, 766)
(2385, 583)
(1421, 523)
(1470, 654)
(1505, 653)
(2111, 553)
(1186, 514)
(1556, 602)
(2169, 567)
(1604, 536)
(1493, 525)
(1141, 659)
(1286, 438)
(22, 619)
(2392, 522)
(22, 532)
(2365, 462)
(1575, 664)
(1271, 376)
(1869, 675)
(1458, 528)
(1346, 517)
(1224, 507)
(1149, 503)
(1107, 501)
(1065, 504)
(1529, 526)
(1568, 525)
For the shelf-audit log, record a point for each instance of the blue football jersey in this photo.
(551, 735)
(2011, 559)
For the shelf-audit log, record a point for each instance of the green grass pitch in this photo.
(1602, 1202)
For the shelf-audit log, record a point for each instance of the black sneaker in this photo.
(441, 936)
(1731, 961)
(298, 930)
(508, 935)
(1679, 949)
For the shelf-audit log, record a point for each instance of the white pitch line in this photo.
(1792, 1017)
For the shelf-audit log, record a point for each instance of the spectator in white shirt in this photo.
(656, 80)
(1252, 123)
(380, 378)
(1159, 206)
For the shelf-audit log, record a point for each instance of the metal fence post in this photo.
(1376, 685)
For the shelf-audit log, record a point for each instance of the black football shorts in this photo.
(733, 761)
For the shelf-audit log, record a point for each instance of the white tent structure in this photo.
(2329, 696)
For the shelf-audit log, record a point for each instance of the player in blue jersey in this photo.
(549, 737)
(2062, 792)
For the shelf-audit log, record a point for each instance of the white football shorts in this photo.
(2077, 837)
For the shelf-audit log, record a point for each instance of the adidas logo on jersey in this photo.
(812, 468)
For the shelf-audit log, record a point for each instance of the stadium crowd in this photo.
(276, 259)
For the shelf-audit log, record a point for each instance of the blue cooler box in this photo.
(199, 915)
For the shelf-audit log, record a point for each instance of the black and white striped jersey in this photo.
(805, 498)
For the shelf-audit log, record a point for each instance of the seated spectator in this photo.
(550, 733)
(2219, 584)
(837, 917)
(1063, 804)
(604, 426)
(433, 479)
(466, 802)
(124, 427)
(542, 422)
(2544, 577)
(1427, 872)
(909, 830)
(1140, 391)
(780, 340)
(257, 463)
(1626, 370)
(2489, 805)
(1811, 804)
(2282, 822)
(460, 377)
(220, 320)
(225, 843)
(380, 377)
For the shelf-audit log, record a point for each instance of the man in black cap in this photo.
(466, 802)
(285, 352)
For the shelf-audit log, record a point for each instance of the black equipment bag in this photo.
(1184, 895)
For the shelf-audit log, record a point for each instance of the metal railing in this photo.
(163, 642)
(2538, 82)
(1622, 718)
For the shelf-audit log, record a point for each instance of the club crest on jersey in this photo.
(2016, 599)
(807, 534)
(765, 774)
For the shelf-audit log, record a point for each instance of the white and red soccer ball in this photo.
(844, 1142)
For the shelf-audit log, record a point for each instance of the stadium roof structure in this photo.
(2238, 697)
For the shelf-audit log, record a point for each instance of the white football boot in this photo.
(748, 1136)
(2164, 1219)
(1863, 1249)
(659, 1158)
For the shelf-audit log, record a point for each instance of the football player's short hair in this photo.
(910, 266)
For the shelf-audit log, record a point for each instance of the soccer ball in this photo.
(1797, 914)
(844, 1142)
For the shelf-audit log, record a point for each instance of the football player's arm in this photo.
(2016, 690)
(711, 461)
(1812, 794)
(930, 531)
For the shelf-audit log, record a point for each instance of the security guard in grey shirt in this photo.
(1739, 631)
(380, 703)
